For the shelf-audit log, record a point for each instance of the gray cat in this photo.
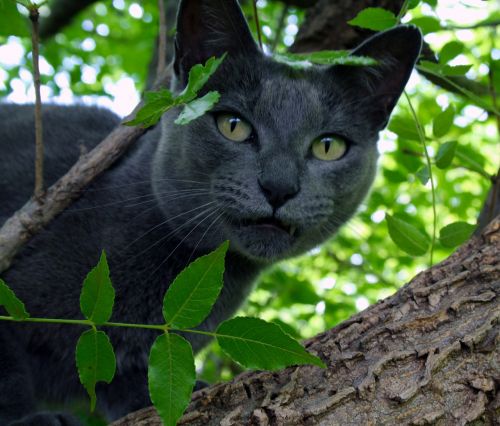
(280, 163)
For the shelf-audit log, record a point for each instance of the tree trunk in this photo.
(430, 354)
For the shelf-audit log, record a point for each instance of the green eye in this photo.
(329, 148)
(233, 127)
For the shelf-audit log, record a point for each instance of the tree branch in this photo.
(33, 216)
(427, 354)
(39, 186)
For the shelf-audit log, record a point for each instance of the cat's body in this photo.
(267, 194)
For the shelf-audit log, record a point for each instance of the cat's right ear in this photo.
(396, 51)
(207, 28)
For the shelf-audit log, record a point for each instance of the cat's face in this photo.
(284, 158)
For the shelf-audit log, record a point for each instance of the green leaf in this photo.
(445, 154)
(12, 22)
(455, 70)
(98, 295)
(196, 108)
(427, 24)
(423, 175)
(171, 376)
(255, 343)
(404, 127)
(407, 237)
(14, 307)
(443, 122)
(155, 105)
(456, 233)
(198, 76)
(412, 4)
(95, 361)
(374, 18)
(450, 51)
(324, 57)
(191, 296)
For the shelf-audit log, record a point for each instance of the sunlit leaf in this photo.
(455, 70)
(406, 236)
(374, 18)
(171, 376)
(198, 76)
(98, 295)
(450, 50)
(443, 122)
(324, 57)
(404, 127)
(14, 307)
(11, 20)
(155, 105)
(196, 108)
(95, 361)
(427, 24)
(456, 233)
(445, 154)
(255, 343)
(191, 296)
(423, 175)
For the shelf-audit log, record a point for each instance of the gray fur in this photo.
(134, 209)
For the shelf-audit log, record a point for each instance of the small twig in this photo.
(403, 11)
(421, 134)
(279, 28)
(493, 92)
(39, 186)
(257, 23)
(162, 39)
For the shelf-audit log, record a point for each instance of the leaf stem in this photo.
(421, 135)
(467, 93)
(84, 323)
(402, 11)
(257, 23)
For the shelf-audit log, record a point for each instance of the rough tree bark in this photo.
(430, 354)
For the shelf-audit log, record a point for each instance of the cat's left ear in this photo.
(396, 51)
(207, 28)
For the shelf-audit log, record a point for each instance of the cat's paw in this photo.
(47, 419)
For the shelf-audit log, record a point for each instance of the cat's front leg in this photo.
(46, 419)
(17, 397)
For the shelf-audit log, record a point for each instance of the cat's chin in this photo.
(262, 242)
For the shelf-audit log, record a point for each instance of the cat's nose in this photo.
(278, 193)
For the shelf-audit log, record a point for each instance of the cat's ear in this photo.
(207, 28)
(396, 51)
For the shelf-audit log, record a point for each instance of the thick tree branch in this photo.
(427, 355)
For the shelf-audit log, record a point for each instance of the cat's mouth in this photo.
(272, 224)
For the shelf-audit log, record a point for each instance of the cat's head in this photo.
(286, 156)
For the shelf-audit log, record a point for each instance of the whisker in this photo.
(151, 195)
(169, 220)
(203, 236)
(179, 244)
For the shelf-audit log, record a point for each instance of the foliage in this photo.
(171, 373)
(158, 103)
